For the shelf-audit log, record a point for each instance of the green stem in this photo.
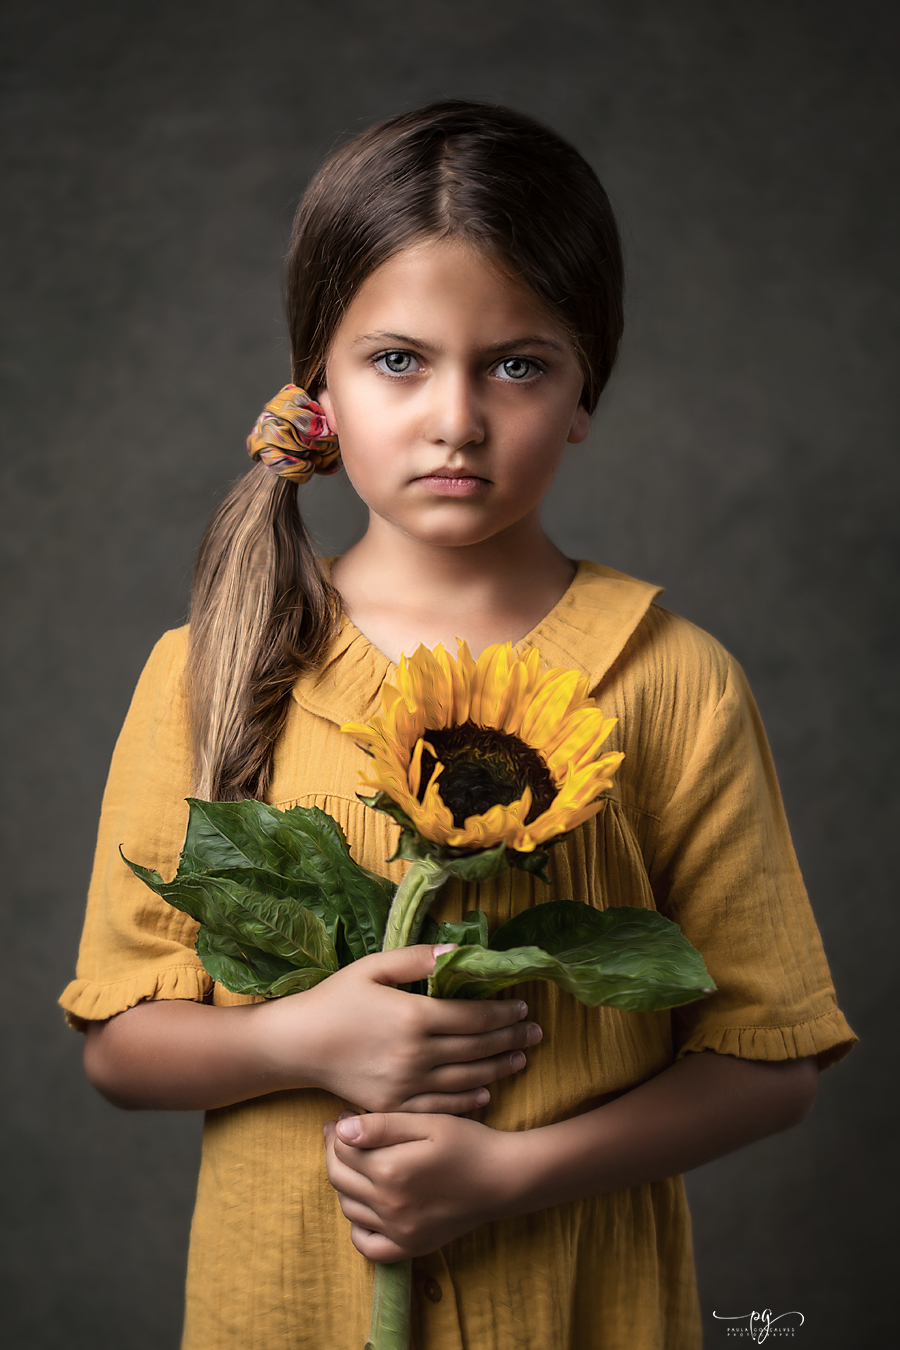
(393, 1284)
(411, 903)
(390, 1307)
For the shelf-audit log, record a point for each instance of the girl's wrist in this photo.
(284, 1061)
(519, 1168)
(539, 1168)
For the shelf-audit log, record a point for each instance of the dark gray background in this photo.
(744, 457)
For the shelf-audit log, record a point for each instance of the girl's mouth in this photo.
(453, 483)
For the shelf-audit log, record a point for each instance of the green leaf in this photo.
(409, 848)
(231, 834)
(555, 926)
(307, 849)
(251, 972)
(360, 898)
(633, 959)
(382, 802)
(243, 904)
(471, 932)
(297, 981)
(224, 961)
(483, 866)
(248, 970)
(535, 863)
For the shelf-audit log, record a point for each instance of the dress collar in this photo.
(585, 630)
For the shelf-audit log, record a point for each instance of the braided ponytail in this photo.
(262, 613)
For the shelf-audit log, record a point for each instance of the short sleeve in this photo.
(724, 869)
(134, 945)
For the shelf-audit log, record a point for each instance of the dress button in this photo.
(433, 1291)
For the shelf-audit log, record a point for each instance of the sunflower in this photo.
(483, 755)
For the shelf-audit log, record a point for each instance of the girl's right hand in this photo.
(359, 1036)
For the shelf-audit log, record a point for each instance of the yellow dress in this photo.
(693, 826)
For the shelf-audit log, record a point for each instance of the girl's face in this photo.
(453, 394)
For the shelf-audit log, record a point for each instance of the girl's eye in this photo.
(517, 368)
(396, 363)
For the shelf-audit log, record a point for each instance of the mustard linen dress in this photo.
(693, 826)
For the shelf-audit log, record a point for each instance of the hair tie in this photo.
(292, 437)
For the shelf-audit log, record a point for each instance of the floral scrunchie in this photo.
(292, 437)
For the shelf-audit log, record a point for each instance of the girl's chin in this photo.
(450, 521)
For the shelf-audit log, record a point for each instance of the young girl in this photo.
(454, 295)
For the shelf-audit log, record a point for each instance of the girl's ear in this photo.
(323, 398)
(581, 425)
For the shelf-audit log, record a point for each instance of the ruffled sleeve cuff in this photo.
(86, 1001)
(828, 1037)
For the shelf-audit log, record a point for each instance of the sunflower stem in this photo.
(390, 1307)
(411, 903)
(393, 1283)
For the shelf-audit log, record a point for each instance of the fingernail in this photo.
(482, 1097)
(517, 1060)
(444, 947)
(534, 1034)
(347, 1115)
(523, 1010)
(351, 1130)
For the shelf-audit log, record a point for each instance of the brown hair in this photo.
(262, 612)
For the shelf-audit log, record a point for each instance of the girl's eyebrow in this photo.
(495, 348)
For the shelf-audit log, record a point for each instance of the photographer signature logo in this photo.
(759, 1326)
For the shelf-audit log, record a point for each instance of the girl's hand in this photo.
(410, 1183)
(359, 1036)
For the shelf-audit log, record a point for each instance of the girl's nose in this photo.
(456, 417)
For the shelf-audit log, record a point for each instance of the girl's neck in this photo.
(399, 591)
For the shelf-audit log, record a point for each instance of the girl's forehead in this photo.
(433, 283)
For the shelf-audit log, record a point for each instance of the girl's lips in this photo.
(453, 483)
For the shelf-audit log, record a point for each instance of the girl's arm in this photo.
(410, 1184)
(355, 1034)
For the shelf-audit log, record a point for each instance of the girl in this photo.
(454, 295)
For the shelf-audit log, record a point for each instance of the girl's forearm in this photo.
(704, 1106)
(355, 1035)
(175, 1055)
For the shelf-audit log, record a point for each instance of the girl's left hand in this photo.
(410, 1182)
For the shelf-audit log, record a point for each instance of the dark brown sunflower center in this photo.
(482, 768)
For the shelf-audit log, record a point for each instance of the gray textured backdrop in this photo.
(744, 457)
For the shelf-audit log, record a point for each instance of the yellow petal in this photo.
(432, 817)
(497, 824)
(489, 668)
(450, 680)
(579, 737)
(415, 768)
(549, 707)
(530, 666)
(425, 685)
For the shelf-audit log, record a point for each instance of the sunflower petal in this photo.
(424, 684)
(530, 666)
(579, 737)
(549, 706)
(491, 828)
(415, 767)
(490, 670)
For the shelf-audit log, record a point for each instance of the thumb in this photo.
(380, 1129)
(406, 964)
